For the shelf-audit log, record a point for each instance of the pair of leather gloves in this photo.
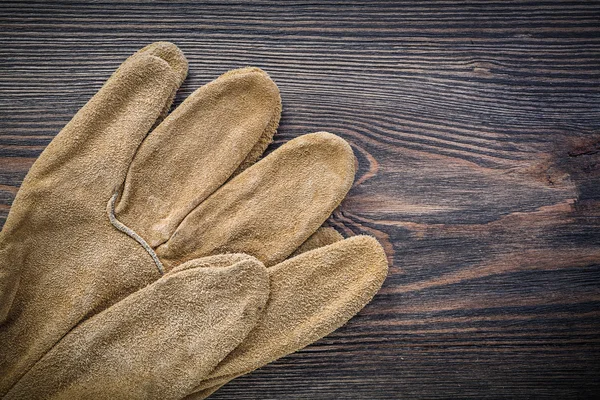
(149, 256)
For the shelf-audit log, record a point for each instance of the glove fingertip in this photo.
(171, 54)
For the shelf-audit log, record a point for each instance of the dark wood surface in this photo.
(477, 129)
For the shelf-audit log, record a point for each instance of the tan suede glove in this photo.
(121, 265)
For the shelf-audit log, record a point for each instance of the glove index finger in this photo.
(311, 295)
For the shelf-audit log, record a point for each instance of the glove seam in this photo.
(110, 210)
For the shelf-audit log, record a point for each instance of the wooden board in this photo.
(477, 129)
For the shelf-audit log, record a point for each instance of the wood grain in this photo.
(477, 129)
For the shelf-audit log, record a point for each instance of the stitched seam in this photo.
(110, 210)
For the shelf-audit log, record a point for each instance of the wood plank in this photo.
(477, 130)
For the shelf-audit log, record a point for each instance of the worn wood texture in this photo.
(477, 129)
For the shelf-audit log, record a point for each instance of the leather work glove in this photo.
(146, 256)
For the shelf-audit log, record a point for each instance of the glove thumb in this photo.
(159, 342)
